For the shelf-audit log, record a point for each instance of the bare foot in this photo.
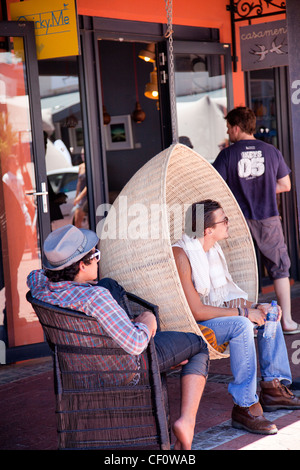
(289, 326)
(184, 433)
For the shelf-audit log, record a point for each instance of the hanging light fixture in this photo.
(148, 54)
(138, 114)
(151, 89)
(71, 121)
(106, 115)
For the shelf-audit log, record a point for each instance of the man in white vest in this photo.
(219, 304)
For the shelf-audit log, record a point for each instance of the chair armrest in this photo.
(146, 305)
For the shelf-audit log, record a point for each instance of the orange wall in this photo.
(200, 13)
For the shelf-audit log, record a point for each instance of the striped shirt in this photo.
(95, 301)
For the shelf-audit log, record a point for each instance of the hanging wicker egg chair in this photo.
(141, 226)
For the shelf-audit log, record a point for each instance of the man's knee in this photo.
(245, 324)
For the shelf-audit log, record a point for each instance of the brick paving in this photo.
(27, 406)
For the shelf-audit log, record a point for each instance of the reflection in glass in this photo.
(64, 142)
(18, 215)
(201, 102)
(263, 104)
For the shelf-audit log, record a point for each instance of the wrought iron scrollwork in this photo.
(246, 8)
(242, 10)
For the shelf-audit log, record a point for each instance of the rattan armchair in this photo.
(105, 398)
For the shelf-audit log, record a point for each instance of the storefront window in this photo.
(201, 102)
(263, 104)
(64, 142)
(19, 235)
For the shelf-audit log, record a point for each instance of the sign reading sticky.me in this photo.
(55, 26)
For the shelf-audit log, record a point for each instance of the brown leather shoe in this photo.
(276, 396)
(252, 419)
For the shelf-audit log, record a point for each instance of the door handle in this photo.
(42, 193)
(33, 193)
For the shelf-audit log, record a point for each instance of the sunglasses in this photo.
(224, 221)
(96, 255)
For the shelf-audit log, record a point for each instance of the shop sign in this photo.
(55, 26)
(264, 45)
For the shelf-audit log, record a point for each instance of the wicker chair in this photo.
(105, 398)
(163, 189)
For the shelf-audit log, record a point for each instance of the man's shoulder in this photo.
(36, 276)
(256, 143)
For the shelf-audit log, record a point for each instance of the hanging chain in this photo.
(169, 36)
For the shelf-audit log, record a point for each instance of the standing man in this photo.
(255, 172)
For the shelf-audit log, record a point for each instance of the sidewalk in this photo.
(27, 406)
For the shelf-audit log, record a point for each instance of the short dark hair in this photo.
(200, 216)
(70, 272)
(243, 117)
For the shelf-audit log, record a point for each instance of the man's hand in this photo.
(257, 315)
(265, 307)
(149, 320)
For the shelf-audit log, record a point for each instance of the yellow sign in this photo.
(55, 26)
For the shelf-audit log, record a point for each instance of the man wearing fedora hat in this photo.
(70, 261)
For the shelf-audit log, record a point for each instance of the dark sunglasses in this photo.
(224, 221)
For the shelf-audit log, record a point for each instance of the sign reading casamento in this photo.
(264, 45)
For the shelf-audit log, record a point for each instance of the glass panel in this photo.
(201, 100)
(18, 228)
(127, 81)
(262, 87)
(263, 104)
(64, 141)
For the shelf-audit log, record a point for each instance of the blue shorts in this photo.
(173, 347)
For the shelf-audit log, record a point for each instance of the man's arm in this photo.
(133, 337)
(148, 319)
(283, 184)
(220, 165)
(200, 311)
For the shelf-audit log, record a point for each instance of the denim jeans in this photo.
(173, 347)
(272, 356)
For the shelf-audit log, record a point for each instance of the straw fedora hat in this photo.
(144, 221)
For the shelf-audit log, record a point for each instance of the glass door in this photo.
(23, 187)
(203, 95)
(268, 97)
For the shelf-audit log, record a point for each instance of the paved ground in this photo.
(27, 404)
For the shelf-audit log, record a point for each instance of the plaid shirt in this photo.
(95, 301)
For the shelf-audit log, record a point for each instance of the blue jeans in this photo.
(173, 347)
(272, 356)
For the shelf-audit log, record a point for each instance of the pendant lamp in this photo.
(138, 114)
(148, 54)
(151, 89)
(106, 115)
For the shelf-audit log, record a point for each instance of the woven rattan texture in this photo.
(146, 265)
(105, 398)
